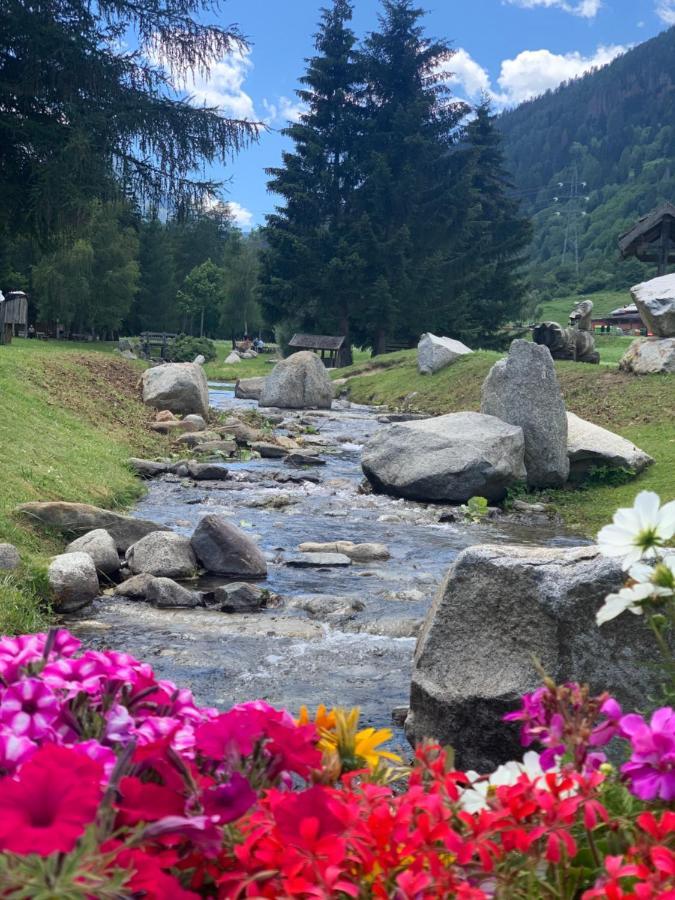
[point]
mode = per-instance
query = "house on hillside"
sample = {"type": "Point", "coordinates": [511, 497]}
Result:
{"type": "Point", "coordinates": [626, 318]}
{"type": "Point", "coordinates": [652, 238]}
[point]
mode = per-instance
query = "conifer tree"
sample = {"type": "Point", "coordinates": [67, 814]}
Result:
{"type": "Point", "coordinates": [493, 291]}
{"type": "Point", "coordinates": [310, 270]}
{"type": "Point", "coordinates": [407, 198]}
{"type": "Point", "coordinates": [155, 307]}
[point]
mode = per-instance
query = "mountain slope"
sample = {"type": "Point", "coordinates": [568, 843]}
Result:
{"type": "Point", "coordinates": [591, 157]}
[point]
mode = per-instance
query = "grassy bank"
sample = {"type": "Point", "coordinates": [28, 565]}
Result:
{"type": "Point", "coordinates": [641, 409]}
{"type": "Point", "coordinates": [70, 420]}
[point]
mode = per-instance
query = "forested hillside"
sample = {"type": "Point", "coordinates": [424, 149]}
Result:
{"type": "Point", "coordinates": [588, 159]}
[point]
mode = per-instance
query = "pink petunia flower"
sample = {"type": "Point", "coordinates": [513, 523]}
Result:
{"type": "Point", "coordinates": [14, 750]}
{"type": "Point", "coordinates": [651, 768]}
{"type": "Point", "coordinates": [30, 708]}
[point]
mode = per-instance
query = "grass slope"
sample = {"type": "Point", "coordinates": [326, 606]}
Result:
{"type": "Point", "coordinates": [559, 309]}
{"type": "Point", "coordinates": [640, 409]}
{"type": "Point", "coordinates": [70, 420]}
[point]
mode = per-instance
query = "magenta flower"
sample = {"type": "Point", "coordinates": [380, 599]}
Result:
{"type": "Point", "coordinates": [609, 727]}
{"type": "Point", "coordinates": [14, 750]}
{"type": "Point", "coordinates": [228, 802]}
{"type": "Point", "coordinates": [651, 768]}
{"type": "Point", "coordinates": [29, 708]}
{"type": "Point", "coordinates": [100, 754]}
{"type": "Point", "coordinates": [154, 728]}
{"type": "Point", "coordinates": [119, 726]}
{"type": "Point", "coordinates": [540, 724]}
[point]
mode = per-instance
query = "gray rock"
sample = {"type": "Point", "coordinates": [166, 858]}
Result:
{"type": "Point", "coordinates": [589, 445]}
{"type": "Point", "coordinates": [148, 468]}
{"type": "Point", "coordinates": [224, 549]}
{"type": "Point", "coordinates": [655, 300]}
{"type": "Point", "coordinates": [164, 554]}
{"type": "Point", "coordinates": [136, 587]}
{"type": "Point", "coordinates": [9, 557]}
{"type": "Point", "coordinates": [523, 390]}
{"type": "Point", "coordinates": [327, 608]}
{"type": "Point", "coordinates": [100, 545]}
{"type": "Point", "coordinates": [449, 458]}
{"type": "Point", "coordinates": [298, 382]}
{"type": "Point", "coordinates": [356, 552]}
{"type": "Point", "coordinates": [435, 353]}
{"type": "Point", "coordinates": [79, 518]}
{"type": "Point", "coordinates": [198, 421]}
{"type": "Point", "coordinates": [179, 387]}
{"type": "Point", "coordinates": [193, 438]}
{"type": "Point", "coordinates": [249, 388]}
{"type": "Point", "coordinates": [206, 471]}
{"type": "Point", "coordinates": [649, 356]}
{"type": "Point", "coordinates": [232, 359]}
{"type": "Point", "coordinates": [499, 606]}
{"type": "Point", "coordinates": [303, 458]}
{"type": "Point", "coordinates": [167, 594]}
{"type": "Point", "coordinates": [307, 560]}
{"type": "Point", "coordinates": [268, 450]}
{"type": "Point", "coordinates": [240, 431]}
{"type": "Point", "coordinates": [209, 448]}
{"type": "Point", "coordinates": [199, 360]}
{"type": "Point", "coordinates": [73, 580]}
{"type": "Point", "coordinates": [239, 597]}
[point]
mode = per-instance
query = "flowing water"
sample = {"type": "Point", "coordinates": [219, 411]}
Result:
{"type": "Point", "coordinates": [336, 635]}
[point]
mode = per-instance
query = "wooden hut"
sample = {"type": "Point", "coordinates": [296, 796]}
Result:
{"type": "Point", "coordinates": [330, 348]}
{"type": "Point", "coordinates": [626, 318]}
{"type": "Point", "coordinates": [13, 312]}
{"type": "Point", "coordinates": [652, 238]}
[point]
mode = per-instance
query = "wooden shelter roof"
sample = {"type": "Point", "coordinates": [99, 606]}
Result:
{"type": "Point", "coordinates": [647, 229]}
{"type": "Point", "coordinates": [316, 341]}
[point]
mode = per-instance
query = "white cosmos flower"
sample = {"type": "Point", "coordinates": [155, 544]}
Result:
{"type": "Point", "coordinates": [628, 598]}
{"type": "Point", "coordinates": [650, 582]}
{"type": "Point", "coordinates": [475, 798]}
{"type": "Point", "coordinates": [640, 531]}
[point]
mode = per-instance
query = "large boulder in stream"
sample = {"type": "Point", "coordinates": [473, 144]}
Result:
{"type": "Point", "coordinates": [523, 390]}
{"type": "Point", "coordinates": [447, 458]}
{"type": "Point", "coordinates": [179, 387]}
{"type": "Point", "coordinates": [298, 382]}
{"type": "Point", "coordinates": [224, 549]}
{"type": "Point", "coordinates": [164, 554]}
{"type": "Point", "coordinates": [249, 388]}
{"type": "Point", "coordinates": [498, 607]}
{"type": "Point", "coordinates": [79, 518]}
{"type": "Point", "coordinates": [100, 545]}
{"type": "Point", "coordinates": [73, 581]}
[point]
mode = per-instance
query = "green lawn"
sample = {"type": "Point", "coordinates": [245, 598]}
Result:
{"type": "Point", "coordinates": [641, 409]}
{"type": "Point", "coordinates": [70, 420]}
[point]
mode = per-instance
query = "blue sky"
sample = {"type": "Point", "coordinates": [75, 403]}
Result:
{"type": "Point", "coordinates": [515, 49]}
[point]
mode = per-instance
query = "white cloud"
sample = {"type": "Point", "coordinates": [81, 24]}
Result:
{"type": "Point", "coordinates": [587, 9]}
{"type": "Point", "coordinates": [283, 111]}
{"type": "Point", "coordinates": [224, 86]}
{"type": "Point", "coordinates": [534, 71]}
{"type": "Point", "coordinates": [665, 10]}
{"type": "Point", "coordinates": [468, 75]}
{"type": "Point", "coordinates": [243, 217]}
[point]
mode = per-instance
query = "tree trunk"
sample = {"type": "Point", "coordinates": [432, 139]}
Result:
{"type": "Point", "coordinates": [380, 345]}
{"type": "Point", "coordinates": [201, 325]}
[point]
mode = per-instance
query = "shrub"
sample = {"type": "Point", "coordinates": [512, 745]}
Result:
{"type": "Point", "coordinates": [185, 348]}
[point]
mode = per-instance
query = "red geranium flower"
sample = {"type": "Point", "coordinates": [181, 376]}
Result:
{"type": "Point", "coordinates": [47, 808]}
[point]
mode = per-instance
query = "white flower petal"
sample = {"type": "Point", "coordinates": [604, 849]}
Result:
{"type": "Point", "coordinates": [646, 506]}
{"type": "Point", "coordinates": [641, 572]}
{"type": "Point", "coordinates": [666, 527]}
{"type": "Point", "coordinates": [613, 606]}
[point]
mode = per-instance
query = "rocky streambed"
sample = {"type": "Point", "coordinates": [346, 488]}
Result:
{"type": "Point", "coordinates": [336, 635]}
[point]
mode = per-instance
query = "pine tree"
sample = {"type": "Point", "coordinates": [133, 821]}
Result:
{"type": "Point", "coordinates": [81, 116]}
{"type": "Point", "coordinates": [407, 199]}
{"type": "Point", "coordinates": [310, 269]}
{"type": "Point", "coordinates": [201, 297]}
{"type": "Point", "coordinates": [493, 290]}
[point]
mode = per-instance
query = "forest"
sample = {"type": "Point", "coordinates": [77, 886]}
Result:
{"type": "Point", "coordinates": [391, 188]}
{"type": "Point", "coordinates": [603, 156]}
{"type": "Point", "coordinates": [399, 208]}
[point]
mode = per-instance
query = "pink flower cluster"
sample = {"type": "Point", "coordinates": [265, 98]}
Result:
{"type": "Point", "coordinates": [119, 784]}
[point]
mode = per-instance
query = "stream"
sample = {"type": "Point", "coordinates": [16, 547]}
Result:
{"type": "Point", "coordinates": [343, 636]}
